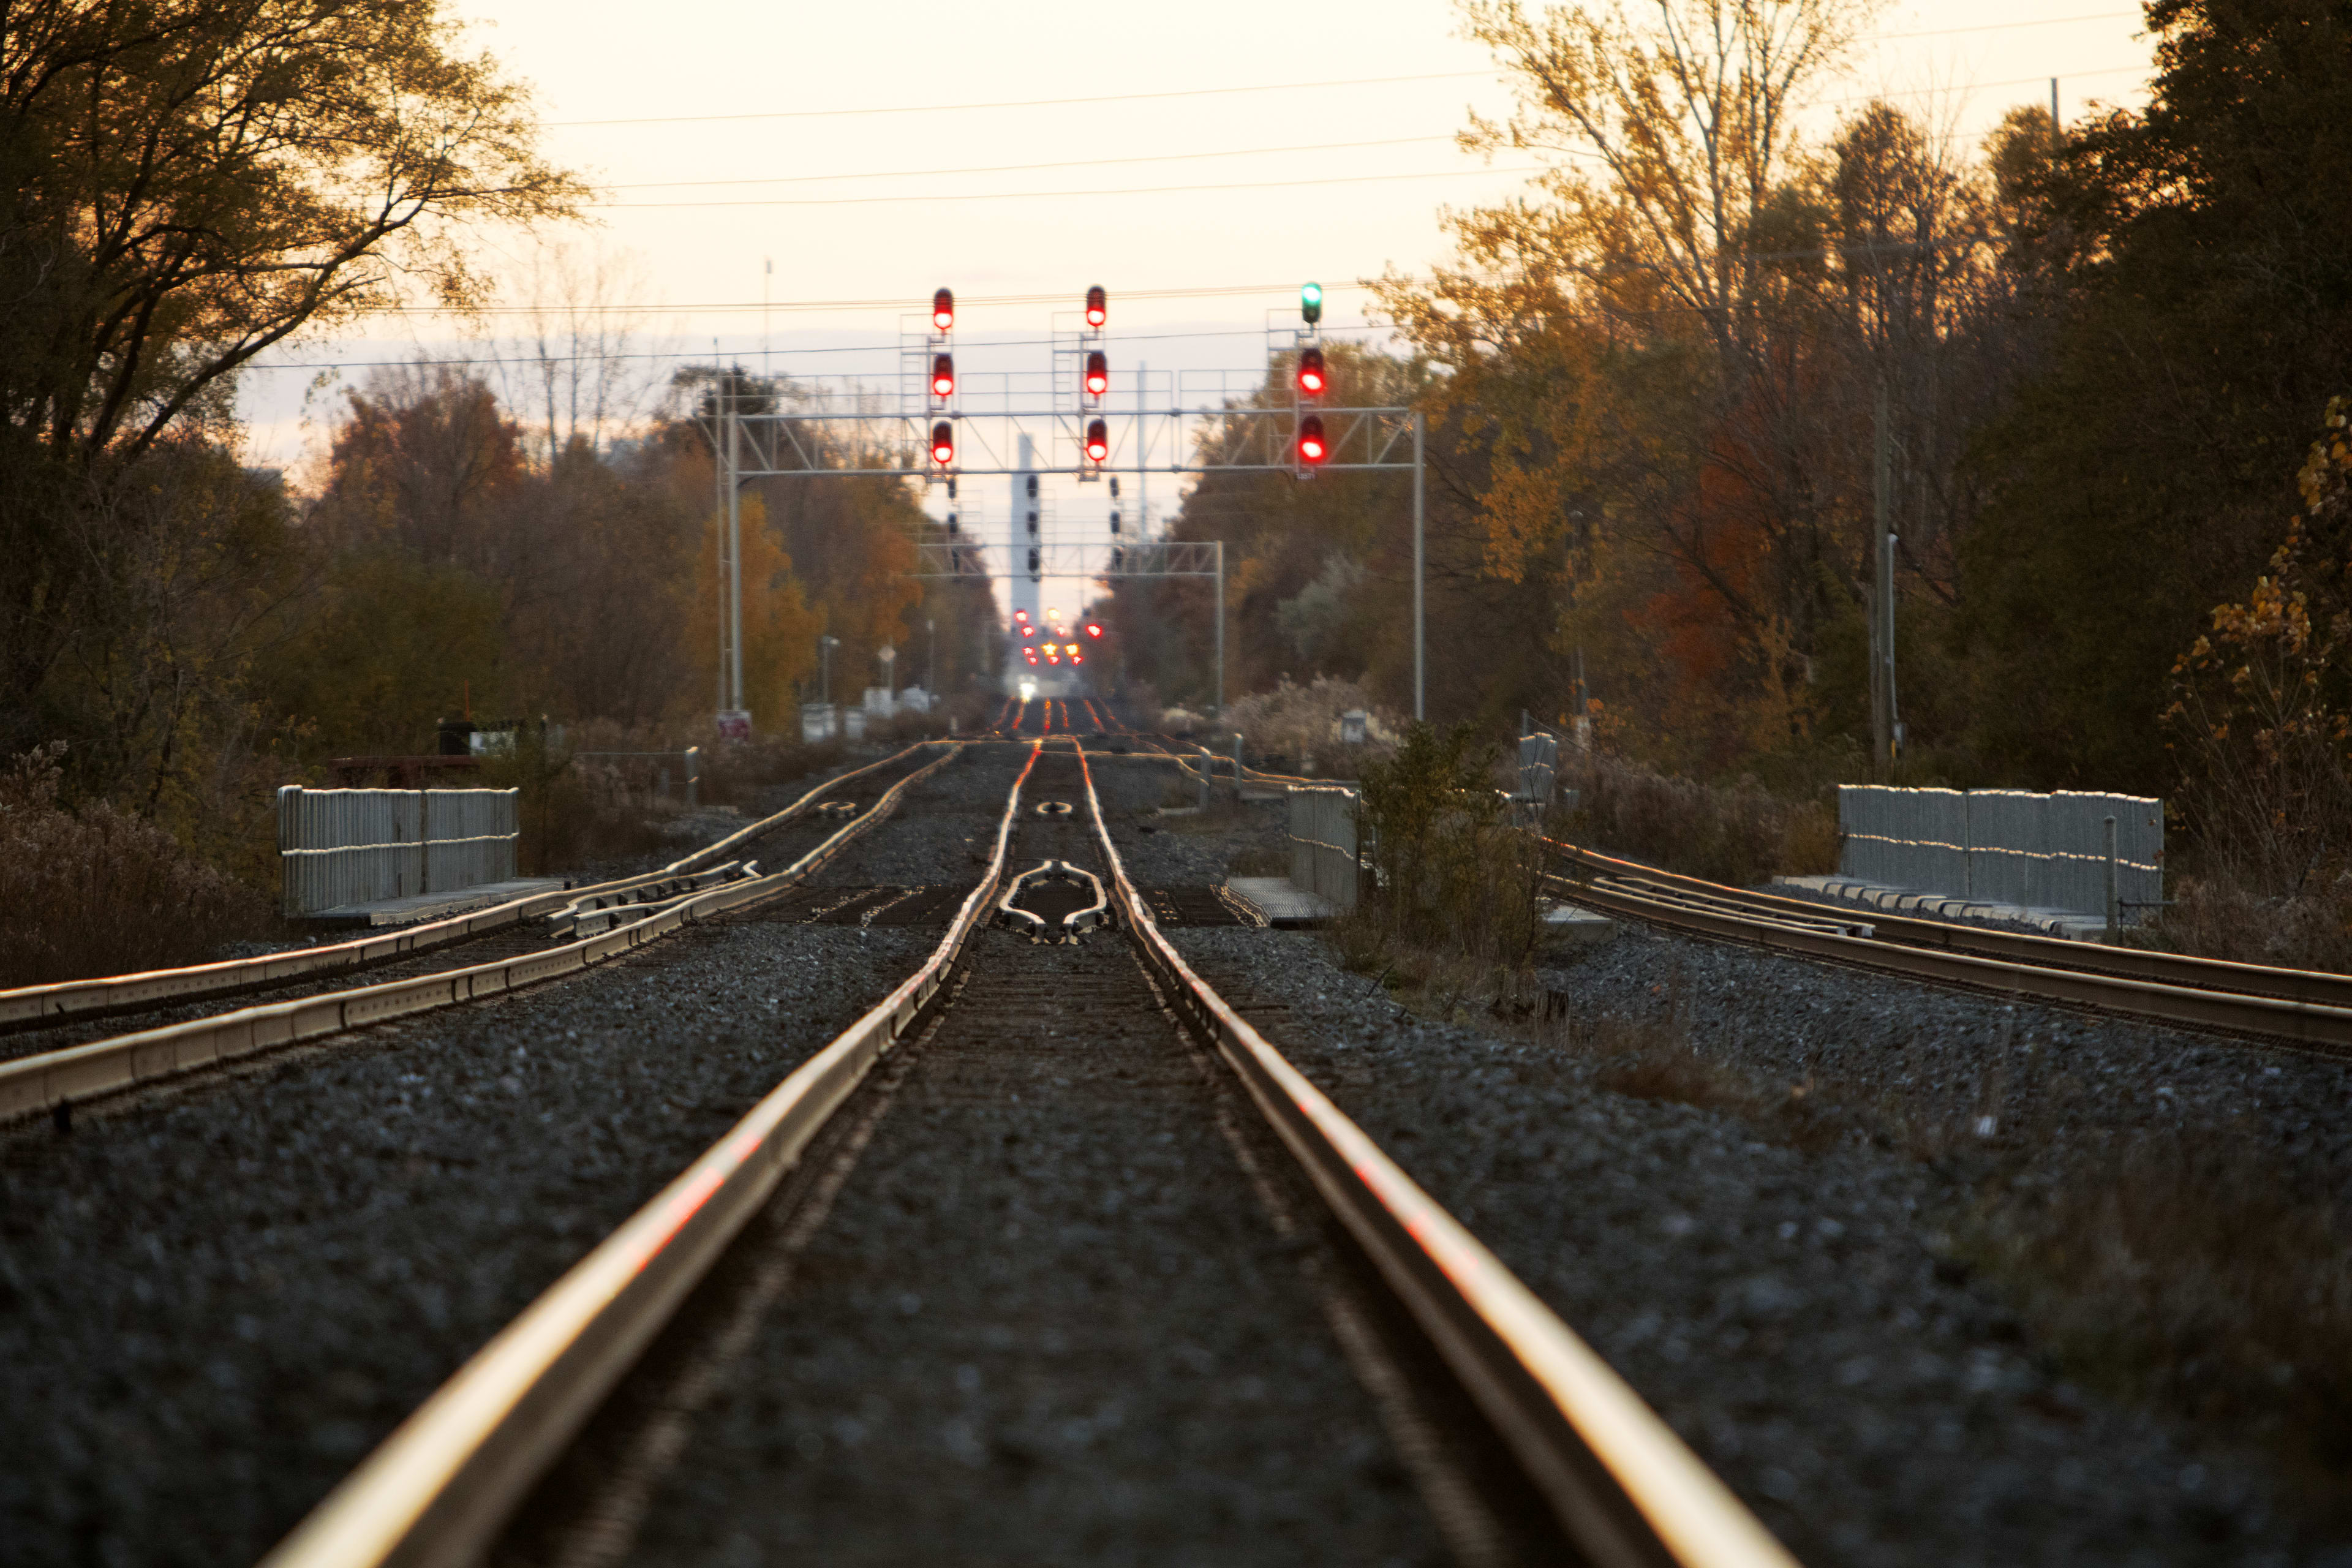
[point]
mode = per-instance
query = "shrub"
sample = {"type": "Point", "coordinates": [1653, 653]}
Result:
{"type": "Point", "coordinates": [96, 891]}
{"type": "Point", "coordinates": [1302, 722]}
{"type": "Point", "coordinates": [1740, 834]}
{"type": "Point", "coordinates": [1452, 870]}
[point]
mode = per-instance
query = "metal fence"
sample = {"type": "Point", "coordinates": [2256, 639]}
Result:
{"type": "Point", "coordinates": [340, 847]}
{"type": "Point", "coordinates": [2005, 846]}
{"type": "Point", "coordinates": [1322, 837]}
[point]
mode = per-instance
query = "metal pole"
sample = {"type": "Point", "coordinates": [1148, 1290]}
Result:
{"type": "Point", "coordinates": [931, 667]}
{"type": "Point", "coordinates": [1420, 572]}
{"type": "Point", "coordinates": [735, 554]}
{"type": "Point", "coordinates": [1221, 627]}
{"type": "Point", "coordinates": [1882, 617]}
{"type": "Point", "coordinates": [718, 549]}
{"type": "Point", "coordinates": [2115, 910]}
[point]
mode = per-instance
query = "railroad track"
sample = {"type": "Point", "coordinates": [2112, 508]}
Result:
{"type": "Point", "coordinates": [2304, 1009]}
{"type": "Point", "coordinates": [511, 946]}
{"type": "Point", "coordinates": [1612, 1483]}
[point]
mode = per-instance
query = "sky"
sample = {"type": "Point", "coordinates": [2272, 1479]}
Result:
{"type": "Point", "coordinates": [784, 184]}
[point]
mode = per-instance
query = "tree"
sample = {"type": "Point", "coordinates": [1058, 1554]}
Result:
{"type": "Point", "coordinates": [184, 184]}
{"type": "Point", "coordinates": [2196, 254]}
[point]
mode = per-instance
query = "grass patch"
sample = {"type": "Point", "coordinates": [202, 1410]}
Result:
{"type": "Point", "coordinates": [2188, 1271]}
{"type": "Point", "coordinates": [1740, 833]}
{"type": "Point", "coordinates": [95, 891]}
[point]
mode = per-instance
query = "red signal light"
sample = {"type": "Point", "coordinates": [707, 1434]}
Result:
{"type": "Point", "coordinates": [1312, 378]}
{"type": "Point", "coordinates": [943, 310]}
{"type": "Point", "coordinates": [1077, 658]}
{"type": "Point", "coordinates": [943, 443]}
{"type": "Point", "coordinates": [1098, 373]}
{"type": "Point", "coordinates": [1098, 441]}
{"type": "Point", "coordinates": [1028, 631]}
{"type": "Point", "coordinates": [1095, 302]}
{"type": "Point", "coordinates": [1093, 629]}
{"type": "Point", "coordinates": [1311, 447]}
{"type": "Point", "coordinates": [943, 375]}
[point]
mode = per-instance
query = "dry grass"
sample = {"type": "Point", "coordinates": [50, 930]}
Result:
{"type": "Point", "coordinates": [94, 891]}
{"type": "Point", "coordinates": [2190, 1272]}
{"type": "Point", "coordinates": [2220, 917]}
{"type": "Point", "coordinates": [1739, 834]}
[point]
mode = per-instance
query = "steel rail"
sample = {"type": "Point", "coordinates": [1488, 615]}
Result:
{"type": "Point", "coordinates": [40, 1006]}
{"type": "Point", "coordinates": [438, 1488]}
{"type": "Point", "coordinates": [2323, 993]}
{"type": "Point", "coordinates": [34, 1084]}
{"type": "Point", "coordinates": [1622, 1485]}
{"type": "Point", "coordinates": [2309, 1025]}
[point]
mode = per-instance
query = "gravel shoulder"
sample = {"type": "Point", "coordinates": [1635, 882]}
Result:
{"type": "Point", "coordinates": [1789, 1312]}
{"type": "Point", "coordinates": [213, 1301]}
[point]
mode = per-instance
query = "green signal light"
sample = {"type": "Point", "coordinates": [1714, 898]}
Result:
{"type": "Point", "coordinates": [1310, 302]}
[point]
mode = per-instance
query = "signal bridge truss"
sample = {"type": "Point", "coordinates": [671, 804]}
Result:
{"type": "Point", "coordinates": [1079, 418]}
{"type": "Point", "coordinates": [816, 440]}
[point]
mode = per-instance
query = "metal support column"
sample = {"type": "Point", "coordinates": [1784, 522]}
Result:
{"type": "Point", "coordinates": [1221, 627]}
{"type": "Point", "coordinates": [1882, 612]}
{"type": "Point", "coordinates": [735, 557]}
{"type": "Point", "coordinates": [1420, 574]}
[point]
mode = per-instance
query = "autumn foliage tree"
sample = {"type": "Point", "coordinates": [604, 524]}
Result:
{"type": "Point", "coordinates": [2263, 711]}
{"type": "Point", "coordinates": [184, 184]}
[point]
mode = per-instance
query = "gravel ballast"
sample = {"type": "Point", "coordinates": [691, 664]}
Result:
{"type": "Point", "coordinates": [1788, 1313]}
{"type": "Point", "coordinates": [215, 1301]}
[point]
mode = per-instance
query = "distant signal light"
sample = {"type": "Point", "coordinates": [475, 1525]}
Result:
{"type": "Point", "coordinates": [943, 376]}
{"type": "Point", "coordinates": [943, 310]}
{"type": "Point", "coordinates": [943, 443]}
{"type": "Point", "coordinates": [1311, 446]}
{"type": "Point", "coordinates": [1098, 373]}
{"type": "Point", "coordinates": [1313, 380]}
{"type": "Point", "coordinates": [1098, 441]}
{"type": "Point", "coordinates": [1098, 304]}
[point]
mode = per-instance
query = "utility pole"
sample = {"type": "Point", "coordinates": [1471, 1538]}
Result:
{"type": "Point", "coordinates": [1420, 576]}
{"type": "Point", "coordinates": [932, 667]}
{"type": "Point", "coordinates": [734, 553]}
{"type": "Point", "coordinates": [1221, 627]}
{"type": "Point", "coordinates": [1882, 610]}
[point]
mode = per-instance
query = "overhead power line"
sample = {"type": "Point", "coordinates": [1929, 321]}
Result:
{"type": "Point", "coordinates": [1058, 195]}
{"type": "Point", "coordinates": [1490, 74]}
{"type": "Point", "coordinates": [963, 302]}
{"type": "Point", "coordinates": [707, 355]}
{"type": "Point", "coordinates": [1031, 168]}
{"type": "Point", "coordinates": [1026, 103]}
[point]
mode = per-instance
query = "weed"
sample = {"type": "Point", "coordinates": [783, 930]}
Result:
{"type": "Point", "coordinates": [2189, 1270]}
{"type": "Point", "coordinates": [1740, 834]}
{"type": "Point", "coordinates": [96, 891]}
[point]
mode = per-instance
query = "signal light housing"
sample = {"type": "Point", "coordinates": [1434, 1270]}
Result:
{"type": "Point", "coordinates": [1114, 519]}
{"type": "Point", "coordinates": [1098, 373]}
{"type": "Point", "coordinates": [943, 375]}
{"type": "Point", "coordinates": [942, 443]}
{"type": "Point", "coordinates": [1033, 564]}
{"type": "Point", "coordinates": [1098, 441]}
{"type": "Point", "coordinates": [1310, 302]}
{"type": "Point", "coordinates": [1313, 379]}
{"type": "Point", "coordinates": [1097, 303]}
{"type": "Point", "coordinates": [1312, 448]}
{"type": "Point", "coordinates": [943, 310]}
